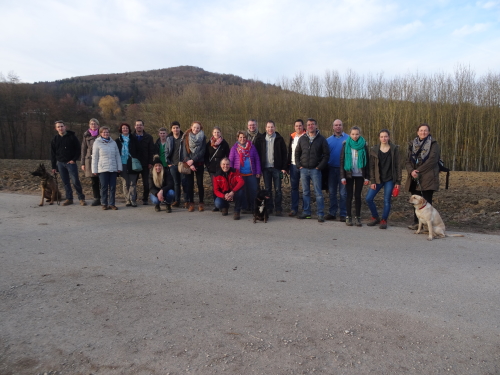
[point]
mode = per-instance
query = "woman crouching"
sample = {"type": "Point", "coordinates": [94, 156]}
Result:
{"type": "Point", "coordinates": [228, 187]}
{"type": "Point", "coordinates": [161, 185]}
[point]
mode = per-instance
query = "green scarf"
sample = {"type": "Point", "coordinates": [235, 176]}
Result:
{"type": "Point", "coordinates": [359, 146]}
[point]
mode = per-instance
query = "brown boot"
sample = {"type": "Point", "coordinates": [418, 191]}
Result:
{"type": "Point", "coordinates": [175, 204]}
{"type": "Point", "coordinates": [236, 216]}
{"type": "Point", "coordinates": [191, 207]}
{"type": "Point", "coordinates": [201, 207]}
{"type": "Point", "coordinates": [67, 202]}
{"type": "Point", "coordinates": [224, 211]}
{"type": "Point", "coordinates": [186, 204]}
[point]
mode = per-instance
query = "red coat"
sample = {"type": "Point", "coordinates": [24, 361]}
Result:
{"type": "Point", "coordinates": [226, 182]}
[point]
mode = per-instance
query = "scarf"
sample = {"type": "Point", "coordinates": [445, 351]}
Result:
{"type": "Point", "coordinates": [94, 133]}
{"type": "Point", "coordinates": [420, 150]}
{"type": "Point", "coordinates": [215, 142]}
{"type": "Point", "coordinates": [251, 135]}
{"type": "Point", "coordinates": [125, 140]}
{"type": "Point", "coordinates": [359, 146]}
{"type": "Point", "coordinates": [243, 151]}
{"type": "Point", "coordinates": [105, 140]}
{"type": "Point", "coordinates": [270, 150]}
{"type": "Point", "coordinates": [194, 141]}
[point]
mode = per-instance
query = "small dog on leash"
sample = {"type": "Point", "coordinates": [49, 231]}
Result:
{"type": "Point", "coordinates": [50, 191]}
{"type": "Point", "coordinates": [260, 206]}
{"type": "Point", "coordinates": [429, 216]}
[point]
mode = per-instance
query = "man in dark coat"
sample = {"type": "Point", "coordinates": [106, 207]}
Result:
{"type": "Point", "coordinates": [146, 153]}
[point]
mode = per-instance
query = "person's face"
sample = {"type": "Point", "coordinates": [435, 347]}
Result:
{"type": "Point", "coordinates": [242, 139]}
{"type": "Point", "coordinates": [105, 133]}
{"type": "Point", "coordinates": [139, 127]}
{"type": "Point", "coordinates": [216, 133]}
{"type": "Point", "coordinates": [93, 125]}
{"type": "Point", "coordinates": [354, 134]}
{"type": "Point", "coordinates": [252, 126]}
{"type": "Point", "coordinates": [158, 168]}
{"type": "Point", "coordinates": [423, 132]}
{"type": "Point", "coordinates": [61, 128]}
{"type": "Point", "coordinates": [224, 164]}
{"type": "Point", "coordinates": [270, 128]}
{"type": "Point", "coordinates": [384, 138]}
{"type": "Point", "coordinates": [299, 127]}
{"type": "Point", "coordinates": [337, 127]}
{"type": "Point", "coordinates": [163, 135]}
{"type": "Point", "coordinates": [176, 130]}
{"type": "Point", "coordinates": [195, 128]}
{"type": "Point", "coordinates": [125, 130]}
{"type": "Point", "coordinates": [311, 127]}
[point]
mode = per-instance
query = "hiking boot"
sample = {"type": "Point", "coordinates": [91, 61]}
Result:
{"type": "Point", "coordinates": [215, 209]}
{"type": "Point", "coordinates": [82, 202]}
{"type": "Point", "coordinates": [348, 221]}
{"type": "Point", "coordinates": [292, 213]}
{"type": "Point", "coordinates": [413, 226]}
{"type": "Point", "coordinates": [383, 224]}
{"type": "Point", "coordinates": [67, 202]}
{"type": "Point", "coordinates": [374, 221]}
{"type": "Point", "coordinates": [201, 207]}
{"type": "Point", "coordinates": [186, 204]}
{"type": "Point", "coordinates": [321, 219]}
{"type": "Point", "coordinates": [330, 217]}
{"type": "Point", "coordinates": [236, 216]}
{"type": "Point", "coordinates": [175, 204]}
{"type": "Point", "coordinates": [304, 216]}
{"type": "Point", "coordinates": [113, 207]}
{"type": "Point", "coordinates": [145, 202]}
{"type": "Point", "coordinates": [104, 207]}
{"type": "Point", "coordinates": [278, 213]}
{"type": "Point", "coordinates": [357, 221]}
{"type": "Point", "coordinates": [133, 204]}
{"type": "Point", "coordinates": [169, 208]}
{"type": "Point", "coordinates": [342, 219]}
{"type": "Point", "coordinates": [96, 202]}
{"type": "Point", "coordinates": [191, 207]}
{"type": "Point", "coordinates": [224, 211]}
{"type": "Point", "coordinates": [157, 208]}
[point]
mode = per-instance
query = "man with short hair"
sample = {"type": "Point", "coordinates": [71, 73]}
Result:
{"type": "Point", "coordinates": [252, 130]}
{"type": "Point", "coordinates": [64, 152]}
{"type": "Point", "coordinates": [174, 140]}
{"type": "Point", "coordinates": [311, 156]}
{"type": "Point", "coordinates": [334, 184]}
{"type": "Point", "coordinates": [292, 166]}
{"type": "Point", "coordinates": [160, 146]}
{"type": "Point", "coordinates": [146, 153]}
{"type": "Point", "coordinates": [228, 187]}
{"type": "Point", "coordinates": [273, 160]}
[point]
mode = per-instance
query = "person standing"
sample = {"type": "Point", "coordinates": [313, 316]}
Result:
{"type": "Point", "coordinates": [88, 141]}
{"type": "Point", "coordinates": [174, 141]}
{"type": "Point", "coordinates": [216, 150]}
{"type": "Point", "coordinates": [335, 142]}
{"type": "Point", "coordinates": [161, 146]}
{"type": "Point", "coordinates": [273, 162]}
{"type": "Point", "coordinates": [311, 156]}
{"type": "Point", "coordinates": [128, 147]}
{"type": "Point", "coordinates": [146, 152]}
{"type": "Point", "coordinates": [292, 166]}
{"type": "Point", "coordinates": [252, 130]}
{"type": "Point", "coordinates": [65, 150]}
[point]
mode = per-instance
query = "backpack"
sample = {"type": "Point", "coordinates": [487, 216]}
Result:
{"type": "Point", "coordinates": [442, 168]}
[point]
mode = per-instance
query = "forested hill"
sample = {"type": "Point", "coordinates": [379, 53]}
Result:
{"type": "Point", "coordinates": [132, 87]}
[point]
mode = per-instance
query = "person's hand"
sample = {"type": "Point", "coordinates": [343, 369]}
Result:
{"type": "Point", "coordinates": [257, 175]}
{"type": "Point", "coordinates": [343, 181]}
{"type": "Point", "coordinates": [160, 195]}
{"type": "Point", "coordinates": [54, 171]}
{"type": "Point", "coordinates": [414, 174]}
{"type": "Point", "coordinates": [83, 167]}
{"type": "Point", "coordinates": [373, 186]}
{"type": "Point", "coordinates": [366, 182]}
{"type": "Point", "coordinates": [150, 166]}
{"type": "Point", "coordinates": [193, 168]}
{"type": "Point", "coordinates": [71, 162]}
{"type": "Point", "coordinates": [229, 196]}
{"type": "Point", "coordinates": [397, 186]}
{"type": "Point", "coordinates": [283, 171]}
{"type": "Point", "coordinates": [94, 174]}
{"type": "Point", "coordinates": [190, 162]}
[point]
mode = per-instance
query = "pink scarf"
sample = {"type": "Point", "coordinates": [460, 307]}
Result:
{"type": "Point", "coordinates": [94, 133]}
{"type": "Point", "coordinates": [244, 152]}
{"type": "Point", "coordinates": [215, 142]}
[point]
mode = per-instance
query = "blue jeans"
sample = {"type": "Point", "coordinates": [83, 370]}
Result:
{"type": "Point", "coordinates": [294, 186]}
{"type": "Point", "coordinates": [169, 198]}
{"type": "Point", "coordinates": [250, 194]}
{"type": "Point", "coordinates": [272, 177]}
{"type": "Point", "coordinates": [314, 175]}
{"type": "Point", "coordinates": [108, 183]}
{"type": "Point", "coordinates": [67, 172]}
{"type": "Point", "coordinates": [335, 185]}
{"type": "Point", "coordinates": [388, 186]}
{"type": "Point", "coordinates": [174, 172]}
{"type": "Point", "coordinates": [222, 203]}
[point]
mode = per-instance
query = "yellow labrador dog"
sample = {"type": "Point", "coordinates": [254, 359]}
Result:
{"type": "Point", "coordinates": [429, 216]}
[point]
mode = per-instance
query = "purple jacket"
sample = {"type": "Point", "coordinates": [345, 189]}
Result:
{"type": "Point", "coordinates": [234, 158]}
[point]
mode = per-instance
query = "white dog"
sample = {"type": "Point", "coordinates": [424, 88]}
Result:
{"type": "Point", "coordinates": [429, 216]}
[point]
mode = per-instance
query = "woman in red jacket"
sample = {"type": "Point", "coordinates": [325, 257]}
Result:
{"type": "Point", "coordinates": [228, 185]}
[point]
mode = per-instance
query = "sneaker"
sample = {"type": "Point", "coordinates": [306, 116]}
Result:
{"type": "Point", "coordinates": [278, 213]}
{"type": "Point", "coordinates": [374, 221]}
{"type": "Point", "coordinates": [413, 226]}
{"type": "Point", "coordinates": [304, 216]}
{"type": "Point", "coordinates": [96, 202]}
{"type": "Point", "coordinates": [348, 221]}
{"type": "Point", "coordinates": [383, 224]}
{"type": "Point", "coordinates": [169, 208]}
{"type": "Point", "coordinates": [67, 202]}
{"type": "Point", "coordinates": [292, 213]}
{"type": "Point", "coordinates": [342, 219]}
{"type": "Point", "coordinates": [82, 202]}
{"type": "Point", "coordinates": [329, 217]}
{"type": "Point", "coordinates": [157, 208]}
{"type": "Point", "coordinates": [357, 221]}
{"type": "Point", "coordinates": [113, 207]}
{"type": "Point", "coordinates": [236, 216]}
{"type": "Point", "coordinates": [321, 219]}
{"type": "Point", "coordinates": [215, 209]}
{"type": "Point", "coordinates": [224, 211]}
{"type": "Point", "coordinates": [104, 207]}
{"type": "Point", "coordinates": [134, 204]}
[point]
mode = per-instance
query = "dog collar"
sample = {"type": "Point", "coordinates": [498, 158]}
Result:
{"type": "Point", "coordinates": [423, 206]}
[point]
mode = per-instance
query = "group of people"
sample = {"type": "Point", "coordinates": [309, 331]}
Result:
{"type": "Point", "coordinates": [341, 163]}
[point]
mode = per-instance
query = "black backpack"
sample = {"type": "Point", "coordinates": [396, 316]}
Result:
{"type": "Point", "coordinates": [442, 168]}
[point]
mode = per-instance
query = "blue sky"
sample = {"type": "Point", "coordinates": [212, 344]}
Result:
{"type": "Point", "coordinates": [49, 40]}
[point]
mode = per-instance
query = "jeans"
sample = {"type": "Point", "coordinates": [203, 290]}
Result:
{"type": "Point", "coordinates": [334, 184]}
{"type": "Point", "coordinates": [129, 182]}
{"type": "Point", "coordinates": [169, 198]}
{"type": "Point", "coordinates": [108, 183]}
{"type": "Point", "coordinates": [67, 172]}
{"type": "Point", "coordinates": [387, 199]}
{"type": "Point", "coordinates": [272, 177]}
{"type": "Point", "coordinates": [250, 192]}
{"type": "Point", "coordinates": [294, 187]}
{"type": "Point", "coordinates": [221, 203]}
{"type": "Point", "coordinates": [306, 176]}
{"type": "Point", "coordinates": [174, 172]}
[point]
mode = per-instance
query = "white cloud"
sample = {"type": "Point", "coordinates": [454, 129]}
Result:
{"type": "Point", "coordinates": [488, 4]}
{"type": "Point", "coordinates": [467, 29]}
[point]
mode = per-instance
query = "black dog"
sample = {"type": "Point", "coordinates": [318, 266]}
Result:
{"type": "Point", "coordinates": [50, 191]}
{"type": "Point", "coordinates": [260, 209]}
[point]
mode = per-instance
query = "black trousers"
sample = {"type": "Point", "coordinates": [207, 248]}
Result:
{"type": "Point", "coordinates": [427, 194]}
{"type": "Point", "coordinates": [145, 182]}
{"type": "Point", "coordinates": [96, 187]}
{"type": "Point", "coordinates": [354, 186]}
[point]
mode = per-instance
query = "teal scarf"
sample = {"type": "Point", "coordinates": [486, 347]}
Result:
{"type": "Point", "coordinates": [359, 146]}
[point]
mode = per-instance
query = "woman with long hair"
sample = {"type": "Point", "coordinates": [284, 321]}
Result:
{"type": "Point", "coordinates": [217, 149]}
{"type": "Point", "coordinates": [161, 185]}
{"type": "Point", "coordinates": [385, 172]}
{"type": "Point", "coordinates": [129, 149]}
{"type": "Point", "coordinates": [89, 138]}
{"type": "Point", "coordinates": [354, 172]}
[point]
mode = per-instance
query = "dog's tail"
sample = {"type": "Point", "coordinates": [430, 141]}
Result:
{"type": "Point", "coordinates": [455, 235]}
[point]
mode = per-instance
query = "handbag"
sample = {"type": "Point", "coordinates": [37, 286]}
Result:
{"type": "Point", "coordinates": [136, 165]}
{"type": "Point", "coordinates": [184, 168]}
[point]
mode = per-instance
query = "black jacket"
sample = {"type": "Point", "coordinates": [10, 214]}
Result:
{"type": "Point", "coordinates": [146, 149]}
{"type": "Point", "coordinates": [213, 162]}
{"type": "Point", "coordinates": [312, 155]}
{"type": "Point", "coordinates": [133, 150]}
{"type": "Point", "coordinates": [167, 183]}
{"type": "Point", "coordinates": [280, 152]}
{"type": "Point", "coordinates": [65, 148]}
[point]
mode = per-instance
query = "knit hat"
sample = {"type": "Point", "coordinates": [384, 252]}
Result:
{"type": "Point", "coordinates": [156, 159]}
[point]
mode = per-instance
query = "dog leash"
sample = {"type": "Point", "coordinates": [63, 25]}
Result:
{"type": "Point", "coordinates": [286, 179]}
{"type": "Point", "coordinates": [58, 200]}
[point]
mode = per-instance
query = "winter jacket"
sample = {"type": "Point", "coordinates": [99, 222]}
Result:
{"type": "Point", "coordinates": [429, 170]}
{"type": "Point", "coordinates": [65, 148]}
{"type": "Point", "coordinates": [157, 147]}
{"type": "Point", "coordinates": [280, 152]}
{"type": "Point", "coordinates": [167, 183]}
{"type": "Point", "coordinates": [290, 151]}
{"type": "Point", "coordinates": [146, 148]}
{"type": "Point", "coordinates": [105, 156]}
{"type": "Point", "coordinates": [199, 157]}
{"type": "Point", "coordinates": [169, 149]}
{"type": "Point", "coordinates": [375, 168]}
{"type": "Point", "coordinates": [224, 182]}
{"type": "Point", "coordinates": [312, 155]}
{"type": "Point", "coordinates": [133, 150]}
{"type": "Point", "coordinates": [234, 159]}
{"type": "Point", "coordinates": [87, 143]}
{"type": "Point", "coordinates": [213, 162]}
{"type": "Point", "coordinates": [365, 171]}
